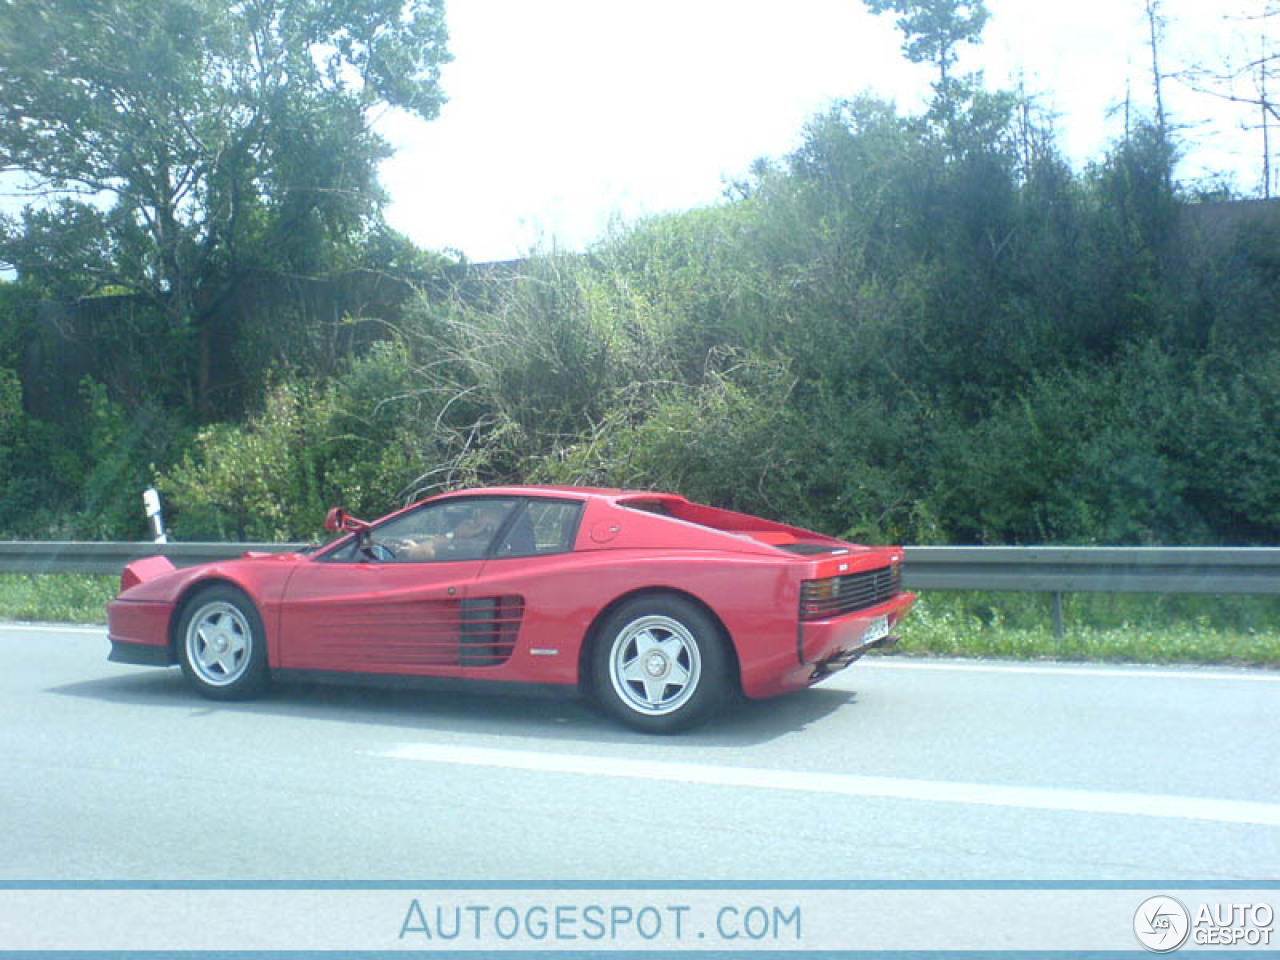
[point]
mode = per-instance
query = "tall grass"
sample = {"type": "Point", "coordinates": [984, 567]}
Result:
{"type": "Point", "coordinates": [56, 597]}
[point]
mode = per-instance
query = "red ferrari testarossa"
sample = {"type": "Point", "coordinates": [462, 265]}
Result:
{"type": "Point", "coordinates": [659, 608]}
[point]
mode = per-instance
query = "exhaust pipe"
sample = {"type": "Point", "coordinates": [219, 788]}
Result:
{"type": "Point", "coordinates": [837, 663]}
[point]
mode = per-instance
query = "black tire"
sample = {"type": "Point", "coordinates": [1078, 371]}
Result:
{"type": "Point", "coordinates": [659, 664]}
{"type": "Point", "coordinates": [221, 645]}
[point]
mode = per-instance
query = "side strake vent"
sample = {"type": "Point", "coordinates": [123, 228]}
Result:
{"type": "Point", "coordinates": [836, 596]}
{"type": "Point", "coordinates": [489, 629]}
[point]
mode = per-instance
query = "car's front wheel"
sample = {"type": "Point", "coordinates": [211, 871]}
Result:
{"type": "Point", "coordinates": [660, 664]}
{"type": "Point", "coordinates": [221, 645]}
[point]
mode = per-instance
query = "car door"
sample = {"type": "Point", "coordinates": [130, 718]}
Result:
{"type": "Point", "coordinates": [369, 609]}
{"type": "Point", "coordinates": [529, 606]}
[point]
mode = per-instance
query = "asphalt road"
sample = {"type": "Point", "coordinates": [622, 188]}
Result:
{"type": "Point", "coordinates": [893, 770]}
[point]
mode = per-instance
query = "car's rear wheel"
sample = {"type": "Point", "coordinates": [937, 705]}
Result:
{"type": "Point", "coordinates": [221, 645]}
{"type": "Point", "coordinates": [660, 665]}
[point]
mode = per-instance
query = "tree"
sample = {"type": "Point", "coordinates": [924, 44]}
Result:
{"type": "Point", "coordinates": [1245, 77]}
{"type": "Point", "coordinates": [186, 142]}
{"type": "Point", "coordinates": [934, 30]}
{"type": "Point", "coordinates": [1155, 32]}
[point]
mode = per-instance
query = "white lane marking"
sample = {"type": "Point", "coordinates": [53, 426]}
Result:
{"type": "Point", "coordinates": [933, 791]}
{"type": "Point", "coordinates": [1160, 672]}
{"type": "Point", "coordinates": [38, 628]}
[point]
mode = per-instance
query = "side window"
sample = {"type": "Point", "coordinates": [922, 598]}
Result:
{"type": "Point", "coordinates": [453, 530]}
{"type": "Point", "coordinates": [439, 532]}
{"type": "Point", "coordinates": [545, 526]}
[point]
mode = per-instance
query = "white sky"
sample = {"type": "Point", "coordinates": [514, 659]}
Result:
{"type": "Point", "coordinates": [567, 114]}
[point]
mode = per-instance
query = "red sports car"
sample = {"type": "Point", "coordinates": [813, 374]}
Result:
{"type": "Point", "coordinates": [659, 608]}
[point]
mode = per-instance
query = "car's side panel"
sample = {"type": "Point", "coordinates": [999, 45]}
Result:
{"type": "Point", "coordinates": [559, 603]}
{"type": "Point", "coordinates": [368, 617]}
{"type": "Point", "coordinates": [756, 599]}
{"type": "Point", "coordinates": [144, 613]}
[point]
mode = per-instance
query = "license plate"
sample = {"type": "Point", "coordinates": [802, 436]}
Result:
{"type": "Point", "coordinates": [878, 629]}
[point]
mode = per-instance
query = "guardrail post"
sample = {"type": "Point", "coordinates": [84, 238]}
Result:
{"type": "Point", "coordinates": [1058, 630]}
{"type": "Point", "coordinates": [151, 503]}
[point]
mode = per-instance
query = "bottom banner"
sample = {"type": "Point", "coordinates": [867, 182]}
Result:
{"type": "Point", "coordinates": [849, 920]}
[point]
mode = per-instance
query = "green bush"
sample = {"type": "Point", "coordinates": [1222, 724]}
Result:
{"type": "Point", "coordinates": [359, 440]}
{"type": "Point", "coordinates": [918, 329]}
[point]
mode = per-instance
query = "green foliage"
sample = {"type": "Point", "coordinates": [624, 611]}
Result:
{"type": "Point", "coordinates": [914, 328]}
{"type": "Point", "coordinates": [63, 251]}
{"type": "Point", "coordinates": [17, 484]}
{"type": "Point", "coordinates": [36, 470]}
{"type": "Point", "coordinates": [902, 334]}
{"type": "Point", "coordinates": [202, 115]}
{"type": "Point", "coordinates": [56, 597]}
{"type": "Point", "coordinates": [122, 449]}
{"type": "Point", "coordinates": [933, 30]}
{"type": "Point", "coordinates": [225, 139]}
{"type": "Point", "coordinates": [358, 441]}
{"type": "Point", "coordinates": [16, 310]}
{"type": "Point", "coordinates": [250, 482]}
{"type": "Point", "coordinates": [727, 440]}
{"type": "Point", "coordinates": [10, 405]}
{"type": "Point", "coordinates": [1154, 448]}
{"type": "Point", "coordinates": [549, 354]}
{"type": "Point", "coordinates": [83, 479]}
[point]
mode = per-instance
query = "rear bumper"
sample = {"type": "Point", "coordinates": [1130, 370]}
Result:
{"type": "Point", "coordinates": [823, 647]}
{"type": "Point", "coordinates": [821, 640]}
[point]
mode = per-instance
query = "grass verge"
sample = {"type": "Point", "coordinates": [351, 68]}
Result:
{"type": "Point", "coordinates": [56, 597]}
{"type": "Point", "coordinates": [1017, 626]}
{"type": "Point", "coordinates": [1164, 628]}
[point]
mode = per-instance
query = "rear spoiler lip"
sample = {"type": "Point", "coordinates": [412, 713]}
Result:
{"type": "Point", "coordinates": [147, 568]}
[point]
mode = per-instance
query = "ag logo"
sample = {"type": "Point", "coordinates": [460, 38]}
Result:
{"type": "Point", "coordinates": [1161, 924]}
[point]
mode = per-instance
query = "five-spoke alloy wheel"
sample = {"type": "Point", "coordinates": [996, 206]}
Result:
{"type": "Point", "coordinates": [659, 663]}
{"type": "Point", "coordinates": [221, 646]}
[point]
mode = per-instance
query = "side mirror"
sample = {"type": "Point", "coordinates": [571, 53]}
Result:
{"type": "Point", "coordinates": [338, 519]}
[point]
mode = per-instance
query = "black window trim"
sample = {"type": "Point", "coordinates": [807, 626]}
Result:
{"type": "Point", "coordinates": [523, 508]}
{"type": "Point", "coordinates": [331, 552]}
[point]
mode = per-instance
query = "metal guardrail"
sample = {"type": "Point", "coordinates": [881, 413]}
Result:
{"type": "Point", "coordinates": [1026, 569]}
{"type": "Point", "coordinates": [71, 556]}
{"type": "Point", "coordinates": [1055, 570]}
{"type": "Point", "coordinates": [1059, 570]}
{"type": "Point", "coordinates": [1095, 569]}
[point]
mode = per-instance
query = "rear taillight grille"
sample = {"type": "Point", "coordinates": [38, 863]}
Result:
{"type": "Point", "coordinates": [836, 596]}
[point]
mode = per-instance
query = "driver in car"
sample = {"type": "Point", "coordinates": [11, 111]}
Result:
{"type": "Point", "coordinates": [468, 539]}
